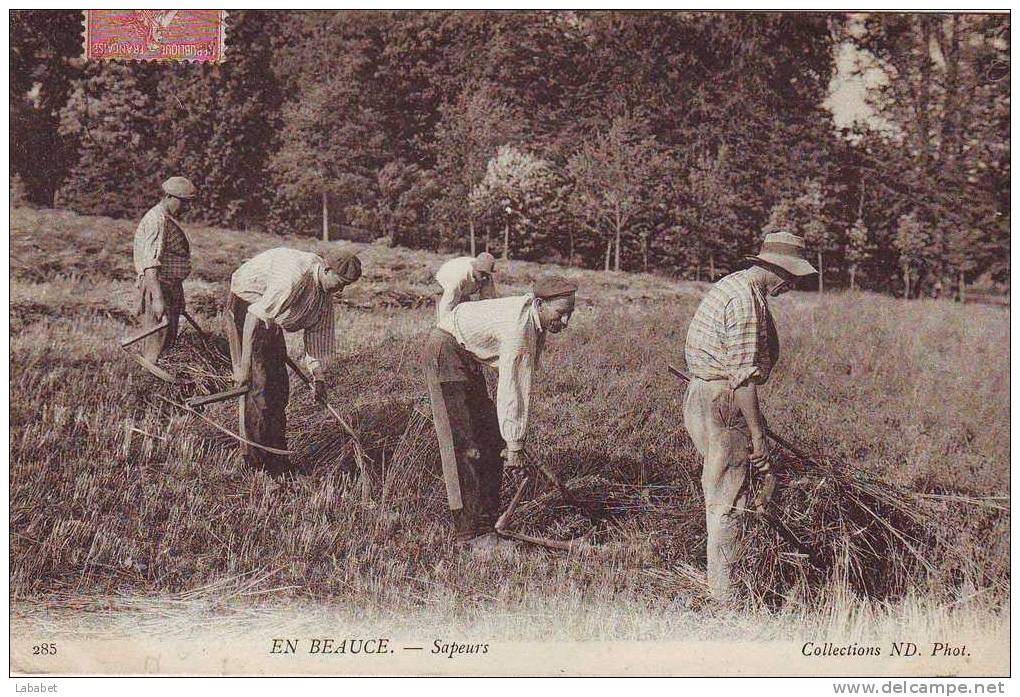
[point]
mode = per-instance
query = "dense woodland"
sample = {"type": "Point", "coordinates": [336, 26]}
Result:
{"type": "Point", "coordinates": [654, 141]}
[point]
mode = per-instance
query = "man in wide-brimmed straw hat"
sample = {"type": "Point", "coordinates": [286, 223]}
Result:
{"type": "Point", "coordinates": [462, 277]}
{"type": "Point", "coordinates": [507, 334]}
{"type": "Point", "coordinates": [281, 290]}
{"type": "Point", "coordinates": [162, 256]}
{"type": "Point", "coordinates": [731, 348]}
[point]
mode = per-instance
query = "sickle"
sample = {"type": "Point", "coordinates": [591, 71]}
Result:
{"type": "Point", "coordinates": [193, 412]}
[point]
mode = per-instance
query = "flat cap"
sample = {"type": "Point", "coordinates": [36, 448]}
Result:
{"type": "Point", "coordinates": [179, 187]}
{"type": "Point", "coordinates": [553, 287]}
{"type": "Point", "coordinates": [484, 262]}
{"type": "Point", "coordinates": [346, 265]}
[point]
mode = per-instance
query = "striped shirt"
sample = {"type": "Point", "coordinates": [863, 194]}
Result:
{"type": "Point", "coordinates": [160, 243]}
{"type": "Point", "coordinates": [732, 336]}
{"type": "Point", "coordinates": [504, 333]}
{"type": "Point", "coordinates": [284, 287]}
{"type": "Point", "coordinates": [457, 278]}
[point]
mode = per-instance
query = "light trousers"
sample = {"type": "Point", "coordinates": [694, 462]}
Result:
{"type": "Point", "coordinates": [719, 431]}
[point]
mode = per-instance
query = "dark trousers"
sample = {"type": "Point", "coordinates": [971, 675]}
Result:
{"type": "Point", "coordinates": [468, 432]}
{"type": "Point", "coordinates": [173, 305]}
{"type": "Point", "coordinates": [264, 408]}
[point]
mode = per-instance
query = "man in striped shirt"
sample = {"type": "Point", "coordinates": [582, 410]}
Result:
{"type": "Point", "coordinates": [462, 277]}
{"type": "Point", "coordinates": [731, 348]}
{"type": "Point", "coordinates": [507, 334]}
{"type": "Point", "coordinates": [281, 290]}
{"type": "Point", "coordinates": [162, 256]}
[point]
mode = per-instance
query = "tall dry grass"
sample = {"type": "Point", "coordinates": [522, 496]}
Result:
{"type": "Point", "coordinates": [114, 493]}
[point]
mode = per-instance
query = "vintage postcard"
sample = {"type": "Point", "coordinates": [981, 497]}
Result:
{"type": "Point", "coordinates": [540, 343]}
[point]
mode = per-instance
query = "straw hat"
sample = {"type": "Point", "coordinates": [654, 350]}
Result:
{"type": "Point", "coordinates": [787, 251]}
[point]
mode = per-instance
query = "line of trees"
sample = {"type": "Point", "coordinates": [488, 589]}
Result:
{"type": "Point", "coordinates": [665, 141]}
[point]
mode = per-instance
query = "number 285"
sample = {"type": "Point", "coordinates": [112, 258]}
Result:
{"type": "Point", "coordinates": [44, 650]}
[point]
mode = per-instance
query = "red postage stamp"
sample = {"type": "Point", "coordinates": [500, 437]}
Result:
{"type": "Point", "coordinates": [155, 35]}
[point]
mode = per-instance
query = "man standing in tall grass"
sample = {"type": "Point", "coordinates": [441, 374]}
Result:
{"type": "Point", "coordinates": [281, 290]}
{"type": "Point", "coordinates": [507, 334]}
{"type": "Point", "coordinates": [731, 348]}
{"type": "Point", "coordinates": [462, 277]}
{"type": "Point", "coordinates": [162, 256]}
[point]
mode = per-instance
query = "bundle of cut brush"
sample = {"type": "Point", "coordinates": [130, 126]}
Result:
{"type": "Point", "coordinates": [199, 363]}
{"type": "Point", "coordinates": [831, 522]}
{"type": "Point", "coordinates": [827, 524]}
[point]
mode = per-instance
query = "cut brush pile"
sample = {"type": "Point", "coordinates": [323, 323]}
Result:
{"type": "Point", "coordinates": [827, 524]}
{"type": "Point", "coordinates": [201, 366]}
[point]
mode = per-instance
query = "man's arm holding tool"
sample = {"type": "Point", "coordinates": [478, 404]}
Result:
{"type": "Point", "coordinates": [151, 283]}
{"type": "Point", "coordinates": [746, 398]}
{"type": "Point", "coordinates": [242, 371]}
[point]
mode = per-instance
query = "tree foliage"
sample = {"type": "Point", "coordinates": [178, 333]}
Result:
{"type": "Point", "coordinates": [614, 175]}
{"type": "Point", "coordinates": [516, 190]}
{"type": "Point", "coordinates": [623, 140]}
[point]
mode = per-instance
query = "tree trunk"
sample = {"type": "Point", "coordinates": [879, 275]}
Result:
{"type": "Point", "coordinates": [644, 253]}
{"type": "Point", "coordinates": [821, 273]}
{"type": "Point", "coordinates": [906, 282]}
{"type": "Point", "coordinates": [471, 228]}
{"type": "Point", "coordinates": [711, 268]}
{"type": "Point", "coordinates": [853, 277]}
{"type": "Point", "coordinates": [325, 218]}
{"type": "Point", "coordinates": [617, 265]}
{"type": "Point", "coordinates": [961, 295]}
{"type": "Point", "coordinates": [570, 258]}
{"type": "Point", "coordinates": [609, 252]}
{"type": "Point", "coordinates": [506, 239]}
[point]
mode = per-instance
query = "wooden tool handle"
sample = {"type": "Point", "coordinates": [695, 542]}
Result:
{"type": "Point", "coordinates": [152, 367]}
{"type": "Point", "coordinates": [509, 512]}
{"type": "Point", "coordinates": [203, 333]}
{"type": "Point", "coordinates": [144, 333]}
{"type": "Point", "coordinates": [300, 373]}
{"type": "Point", "coordinates": [218, 397]}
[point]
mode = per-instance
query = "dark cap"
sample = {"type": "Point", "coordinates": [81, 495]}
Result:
{"type": "Point", "coordinates": [484, 262]}
{"type": "Point", "coordinates": [553, 287]}
{"type": "Point", "coordinates": [346, 265]}
{"type": "Point", "coordinates": [179, 187]}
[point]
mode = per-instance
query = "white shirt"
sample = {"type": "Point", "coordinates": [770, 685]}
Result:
{"type": "Point", "coordinates": [457, 278]}
{"type": "Point", "coordinates": [504, 333]}
{"type": "Point", "coordinates": [284, 286]}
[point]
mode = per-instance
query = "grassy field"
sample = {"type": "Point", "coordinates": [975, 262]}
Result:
{"type": "Point", "coordinates": [105, 516]}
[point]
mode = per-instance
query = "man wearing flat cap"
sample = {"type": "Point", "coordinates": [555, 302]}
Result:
{"type": "Point", "coordinates": [162, 256]}
{"type": "Point", "coordinates": [507, 334]}
{"type": "Point", "coordinates": [731, 348]}
{"type": "Point", "coordinates": [462, 277]}
{"type": "Point", "coordinates": [281, 290]}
